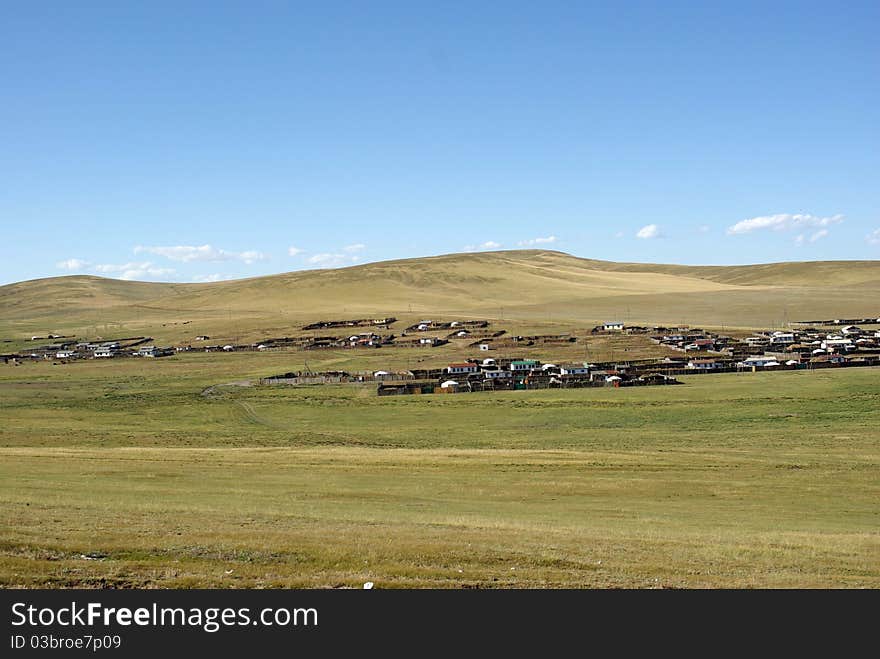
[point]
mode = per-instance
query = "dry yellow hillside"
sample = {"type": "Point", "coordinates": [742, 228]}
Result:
{"type": "Point", "coordinates": [525, 285]}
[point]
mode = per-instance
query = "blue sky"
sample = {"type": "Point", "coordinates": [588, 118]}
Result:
{"type": "Point", "coordinates": [179, 141]}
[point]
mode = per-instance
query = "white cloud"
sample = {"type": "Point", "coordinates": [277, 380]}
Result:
{"type": "Point", "coordinates": [359, 247]}
{"type": "Point", "coordinates": [619, 234]}
{"type": "Point", "coordinates": [489, 244]}
{"type": "Point", "coordinates": [332, 260]}
{"type": "Point", "coordinates": [873, 238]}
{"type": "Point", "coordinates": [252, 256]}
{"type": "Point", "coordinates": [294, 251]}
{"type": "Point", "coordinates": [782, 222]}
{"type": "Point", "coordinates": [205, 253]}
{"type": "Point", "coordinates": [802, 238]}
{"type": "Point", "coordinates": [549, 240]}
{"type": "Point", "coordinates": [648, 231]}
{"type": "Point", "coordinates": [141, 270]}
{"type": "Point", "coordinates": [72, 264]}
{"type": "Point", "coordinates": [704, 228]}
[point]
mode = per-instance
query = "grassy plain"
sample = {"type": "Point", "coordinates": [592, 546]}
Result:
{"type": "Point", "coordinates": [127, 473]}
{"type": "Point", "coordinates": [164, 473]}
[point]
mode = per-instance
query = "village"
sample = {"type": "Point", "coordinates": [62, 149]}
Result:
{"type": "Point", "coordinates": [688, 351]}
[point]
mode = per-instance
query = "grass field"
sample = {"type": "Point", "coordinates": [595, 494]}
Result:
{"type": "Point", "coordinates": [128, 473]}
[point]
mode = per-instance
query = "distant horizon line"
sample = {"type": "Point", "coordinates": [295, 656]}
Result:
{"type": "Point", "coordinates": [465, 254]}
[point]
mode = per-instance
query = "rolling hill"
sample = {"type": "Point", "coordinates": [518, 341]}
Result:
{"type": "Point", "coordinates": [529, 286]}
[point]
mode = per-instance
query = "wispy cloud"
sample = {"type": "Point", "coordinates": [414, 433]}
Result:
{"type": "Point", "coordinates": [72, 265]}
{"type": "Point", "coordinates": [549, 240]}
{"type": "Point", "coordinates": [204, 253]}
{"type": "Point", "coordinates": [141, 270]}
{"type": "Point", "coordinates": [488, 245]}
{"type": "Point", "coordinates": [294, 251]}
{"type": "Point", "coordinates": [704, 228]}
{"type": "Point", "coordinates": [873, 238]}
{"type": "Point", "coordinates": [803, 239]}
{"type": "Point", "coordinates": [782, 222]}
{"type": "Point", "coordinates": [251, 256]}
{"type": "Point", "coordinates": [359, 247]}
{"type": "Point", "coordinates": [648, 232]}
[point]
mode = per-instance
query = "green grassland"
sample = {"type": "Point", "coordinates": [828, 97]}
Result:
{"type": "Point", "coordinates": [145, 473]}
{"type": "Point", "coordinates": [176, 473]}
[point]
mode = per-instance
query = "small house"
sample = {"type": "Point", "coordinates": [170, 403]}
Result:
{"type": "Point", "coordinates": [462, 368]}
{"type": "Point", "coordinates": [703, 364]}
{"type": "Point", "coordinates": [782, 337]}
{"type": "Point", "coordinates": [602, 375]}
{"type": "Point", "coordinates": [760, 360]}
{"type": "Point", "coordinates": [613, 327]}
{"type": "Point", "coordinates": [521, 365]}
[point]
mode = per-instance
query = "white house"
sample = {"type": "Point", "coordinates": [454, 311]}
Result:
{"type": "Point", "coordinates": [758, 360]}
{"type": "Point", "coordinates": [65, 354]}
{"type": "Point", "coordinates": [153, 351]}
{"type": "Point", "coordinates": [523, 365]}
{"type": "Point", "coordinates": [783, 337]}
{"type": "Point", "coordinates": [703, 364]}
{"type": "Point", "coordinates": [574, 369]}
{"type": "Point", "coordinates": [496, 374]}
{"type": "Point", "coordinates": [462, 368]}
{"type": "Point", "coordinates": [613, 327]}
{"type": "Point", "coordinates": [105, 351]}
